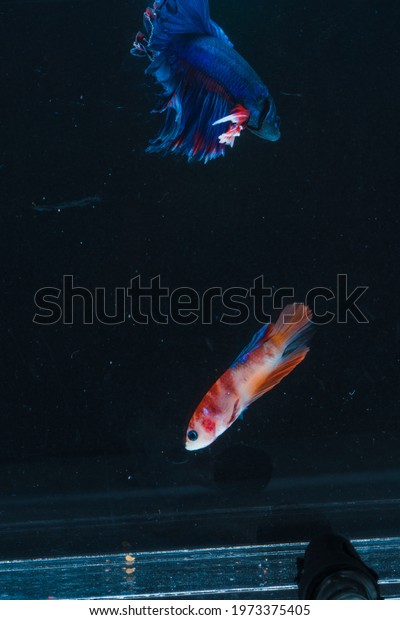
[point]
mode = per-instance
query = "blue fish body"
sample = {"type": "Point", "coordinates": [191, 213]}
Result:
{"type": "Point", "coordinates": [220, 62]}
{"type": "Point", "coordinates": [207, 84]}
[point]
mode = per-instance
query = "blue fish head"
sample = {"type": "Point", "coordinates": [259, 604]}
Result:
{"type": "Point", "coordinates": [268, 128]}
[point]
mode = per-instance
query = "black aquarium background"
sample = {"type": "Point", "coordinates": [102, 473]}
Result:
{"type": "Point", "coordinates": [93, 418]}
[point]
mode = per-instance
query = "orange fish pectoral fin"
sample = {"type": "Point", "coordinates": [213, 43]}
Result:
{"type": "Point", "coordinates": [257, 387]}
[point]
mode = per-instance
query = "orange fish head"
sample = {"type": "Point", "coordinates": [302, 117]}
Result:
{"type": "Point", "coordinates": [202, 430]}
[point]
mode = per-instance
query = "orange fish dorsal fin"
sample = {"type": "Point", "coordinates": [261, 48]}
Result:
{"type": "Point", "coordinates": [257, 387]}
{"type": "Point", "coordinates": [261, 336]}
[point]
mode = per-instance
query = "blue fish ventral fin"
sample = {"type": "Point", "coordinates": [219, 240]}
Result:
{"type": "Point", "coordinates": [253, 344]}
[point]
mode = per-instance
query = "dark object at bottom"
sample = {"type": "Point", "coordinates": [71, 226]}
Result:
{"type": "Point", "coordinates": [332, 569]}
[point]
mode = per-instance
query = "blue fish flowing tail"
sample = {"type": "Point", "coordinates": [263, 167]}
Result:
{"type": "Point", "coordinates": [195, 103]}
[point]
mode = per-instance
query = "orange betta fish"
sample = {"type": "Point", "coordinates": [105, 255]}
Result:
{"type": "Point", "coordinates": [271, 355]}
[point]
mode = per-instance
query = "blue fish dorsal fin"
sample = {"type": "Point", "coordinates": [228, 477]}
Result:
{"type": "Point", "coordinates": [186, 17]}
{"type": "Point", "coordinates": [253, 344]}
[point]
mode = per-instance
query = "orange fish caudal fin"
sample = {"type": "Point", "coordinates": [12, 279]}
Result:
{"type": "Point", "coordinates": [290, 333]}
{"type": "Point", "coordinates": [291, 324]}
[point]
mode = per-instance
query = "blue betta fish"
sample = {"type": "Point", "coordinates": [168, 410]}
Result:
{"type": "Point", "coordinates": [210, 93]}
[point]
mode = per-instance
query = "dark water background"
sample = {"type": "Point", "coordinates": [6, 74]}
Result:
{"type": "Point", "coordinates": [101, 409]}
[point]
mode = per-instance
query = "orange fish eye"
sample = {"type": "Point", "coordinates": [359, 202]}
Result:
{"type": "Point", "coordinates": [192, 435]}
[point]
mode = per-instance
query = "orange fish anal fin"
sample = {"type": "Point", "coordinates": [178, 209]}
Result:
{"type": "Point", "coordinates": [258, 387]}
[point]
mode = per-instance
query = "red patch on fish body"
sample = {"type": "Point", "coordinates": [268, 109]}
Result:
{"type": "Point", "coordinates": [208, 423]}
{"type": "Point", "coordinates": [227, 383]}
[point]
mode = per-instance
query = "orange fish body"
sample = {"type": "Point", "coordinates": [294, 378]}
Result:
{"type": "Point", "coordinates": [273, 353]}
